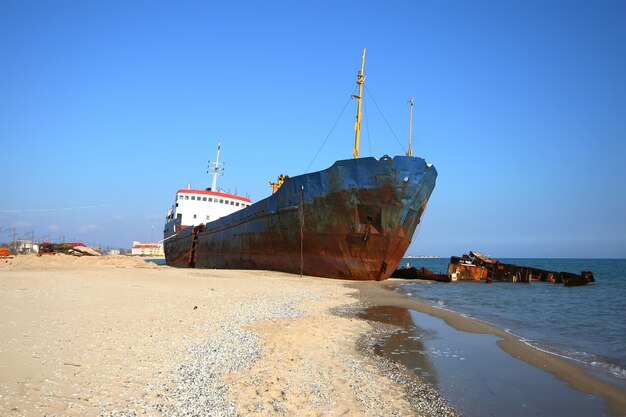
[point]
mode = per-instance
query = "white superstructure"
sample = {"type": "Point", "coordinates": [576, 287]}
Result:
{"type": "Point", "coordinates": [194, 207]}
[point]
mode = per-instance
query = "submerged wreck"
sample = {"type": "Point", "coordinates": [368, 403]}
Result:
{"type": "Point", "coordinates": [411, 272]}
{"type": "Point", "coordinates": [478, 267]}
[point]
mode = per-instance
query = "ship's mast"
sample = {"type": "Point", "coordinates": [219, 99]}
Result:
{"type": "Point", "coordinates": [215, 168]}
{"type": "Point", "coordinates": [410, 151]}
{"type": "Point", "coordinates": [357, 127]}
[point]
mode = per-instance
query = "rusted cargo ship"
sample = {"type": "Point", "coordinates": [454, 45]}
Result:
{"type": "Point", "coordinates": [353, 220]}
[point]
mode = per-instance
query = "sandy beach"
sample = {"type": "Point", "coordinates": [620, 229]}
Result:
{"type": "Point", "coordinates": [116, 336]}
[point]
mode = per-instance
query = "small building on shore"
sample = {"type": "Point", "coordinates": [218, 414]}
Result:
{"type": "Point", "coordinates": [147, 249]}
{"type": "Point", "coordinates": [24, 246]}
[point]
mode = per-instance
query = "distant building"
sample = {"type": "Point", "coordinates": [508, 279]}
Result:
{"type": "Point", "coordinates": [115, 252]}
{"type": "Point", "coordinates": [147, 249]}
{"type": "Point", "coordinates": [24, 246]}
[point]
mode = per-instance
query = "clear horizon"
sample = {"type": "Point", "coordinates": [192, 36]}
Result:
{"type": "Point", "coordinates": [108, 108]}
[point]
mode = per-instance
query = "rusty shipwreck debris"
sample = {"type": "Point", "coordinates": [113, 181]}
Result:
{"type": "Point", "coordinates": [412, 272]}
{"type": "Point", "coordinates": [478, 267]}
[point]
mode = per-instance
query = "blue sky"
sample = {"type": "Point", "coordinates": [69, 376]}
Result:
{"type": "Point", "coordinates": [108, 107]}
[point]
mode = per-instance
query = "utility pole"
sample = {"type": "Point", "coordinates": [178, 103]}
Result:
{"type": "Point", "coordinates": [32, 241]}
{"type": "Point", "coordinates": [12, 244]}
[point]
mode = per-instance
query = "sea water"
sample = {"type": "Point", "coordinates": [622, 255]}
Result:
{"type": "Point", "coordinates": [585, 324]}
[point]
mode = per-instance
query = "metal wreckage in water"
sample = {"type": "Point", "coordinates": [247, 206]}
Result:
{"type": "Point", "coordinates": [478, 267]}
{"type": "Point", "coordinates": [353, 220]}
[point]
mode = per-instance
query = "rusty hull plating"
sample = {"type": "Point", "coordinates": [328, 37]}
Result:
{"type": "Point", "coordinates": [354, 220]}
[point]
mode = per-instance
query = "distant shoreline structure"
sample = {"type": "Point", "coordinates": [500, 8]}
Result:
{"type": "Point", "coordinates": [422, 257]}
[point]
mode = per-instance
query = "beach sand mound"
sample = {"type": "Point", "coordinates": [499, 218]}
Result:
{"type": "Point", "coordinates": [62, 261]}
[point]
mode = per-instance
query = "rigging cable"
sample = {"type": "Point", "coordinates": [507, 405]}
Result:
{"type": "Point", "coordinates": [331, 131]}
{"type": "Point", "coordinates": [385, 119]}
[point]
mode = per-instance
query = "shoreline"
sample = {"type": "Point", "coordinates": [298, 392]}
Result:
{"type": "Point", "coordinates": [578, 378]}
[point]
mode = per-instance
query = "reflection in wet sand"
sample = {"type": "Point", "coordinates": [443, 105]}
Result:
{"type": "Point", "coordinates": [472, 372]}
{"type": "Point", "coordinates": [405, 345]}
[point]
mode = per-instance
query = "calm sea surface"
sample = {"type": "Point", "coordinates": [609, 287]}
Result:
{"type": "Point", "coordinates": [586, 324]}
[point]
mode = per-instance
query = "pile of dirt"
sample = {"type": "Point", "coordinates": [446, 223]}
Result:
{"type": "Point", "coordinates": [62, 261]}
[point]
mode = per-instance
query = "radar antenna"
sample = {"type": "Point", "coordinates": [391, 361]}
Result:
{"type": "Point", "coordinates": [216, 168]}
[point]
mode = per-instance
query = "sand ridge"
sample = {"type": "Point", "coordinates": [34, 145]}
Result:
{"type": "Point", "coordinates": [33, 262]}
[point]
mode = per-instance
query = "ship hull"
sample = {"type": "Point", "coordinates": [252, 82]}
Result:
{"type": "Point", "coordinates": [354, 220]}
{"type": "Point", "coordinates": [178, 248]}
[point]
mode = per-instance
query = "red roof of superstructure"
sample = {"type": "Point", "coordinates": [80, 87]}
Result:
{"type": "Point", "coordinates": [215, 193]}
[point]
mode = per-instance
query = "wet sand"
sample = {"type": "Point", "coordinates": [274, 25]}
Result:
{"type": "Point", "coordinates": [460, 331]}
